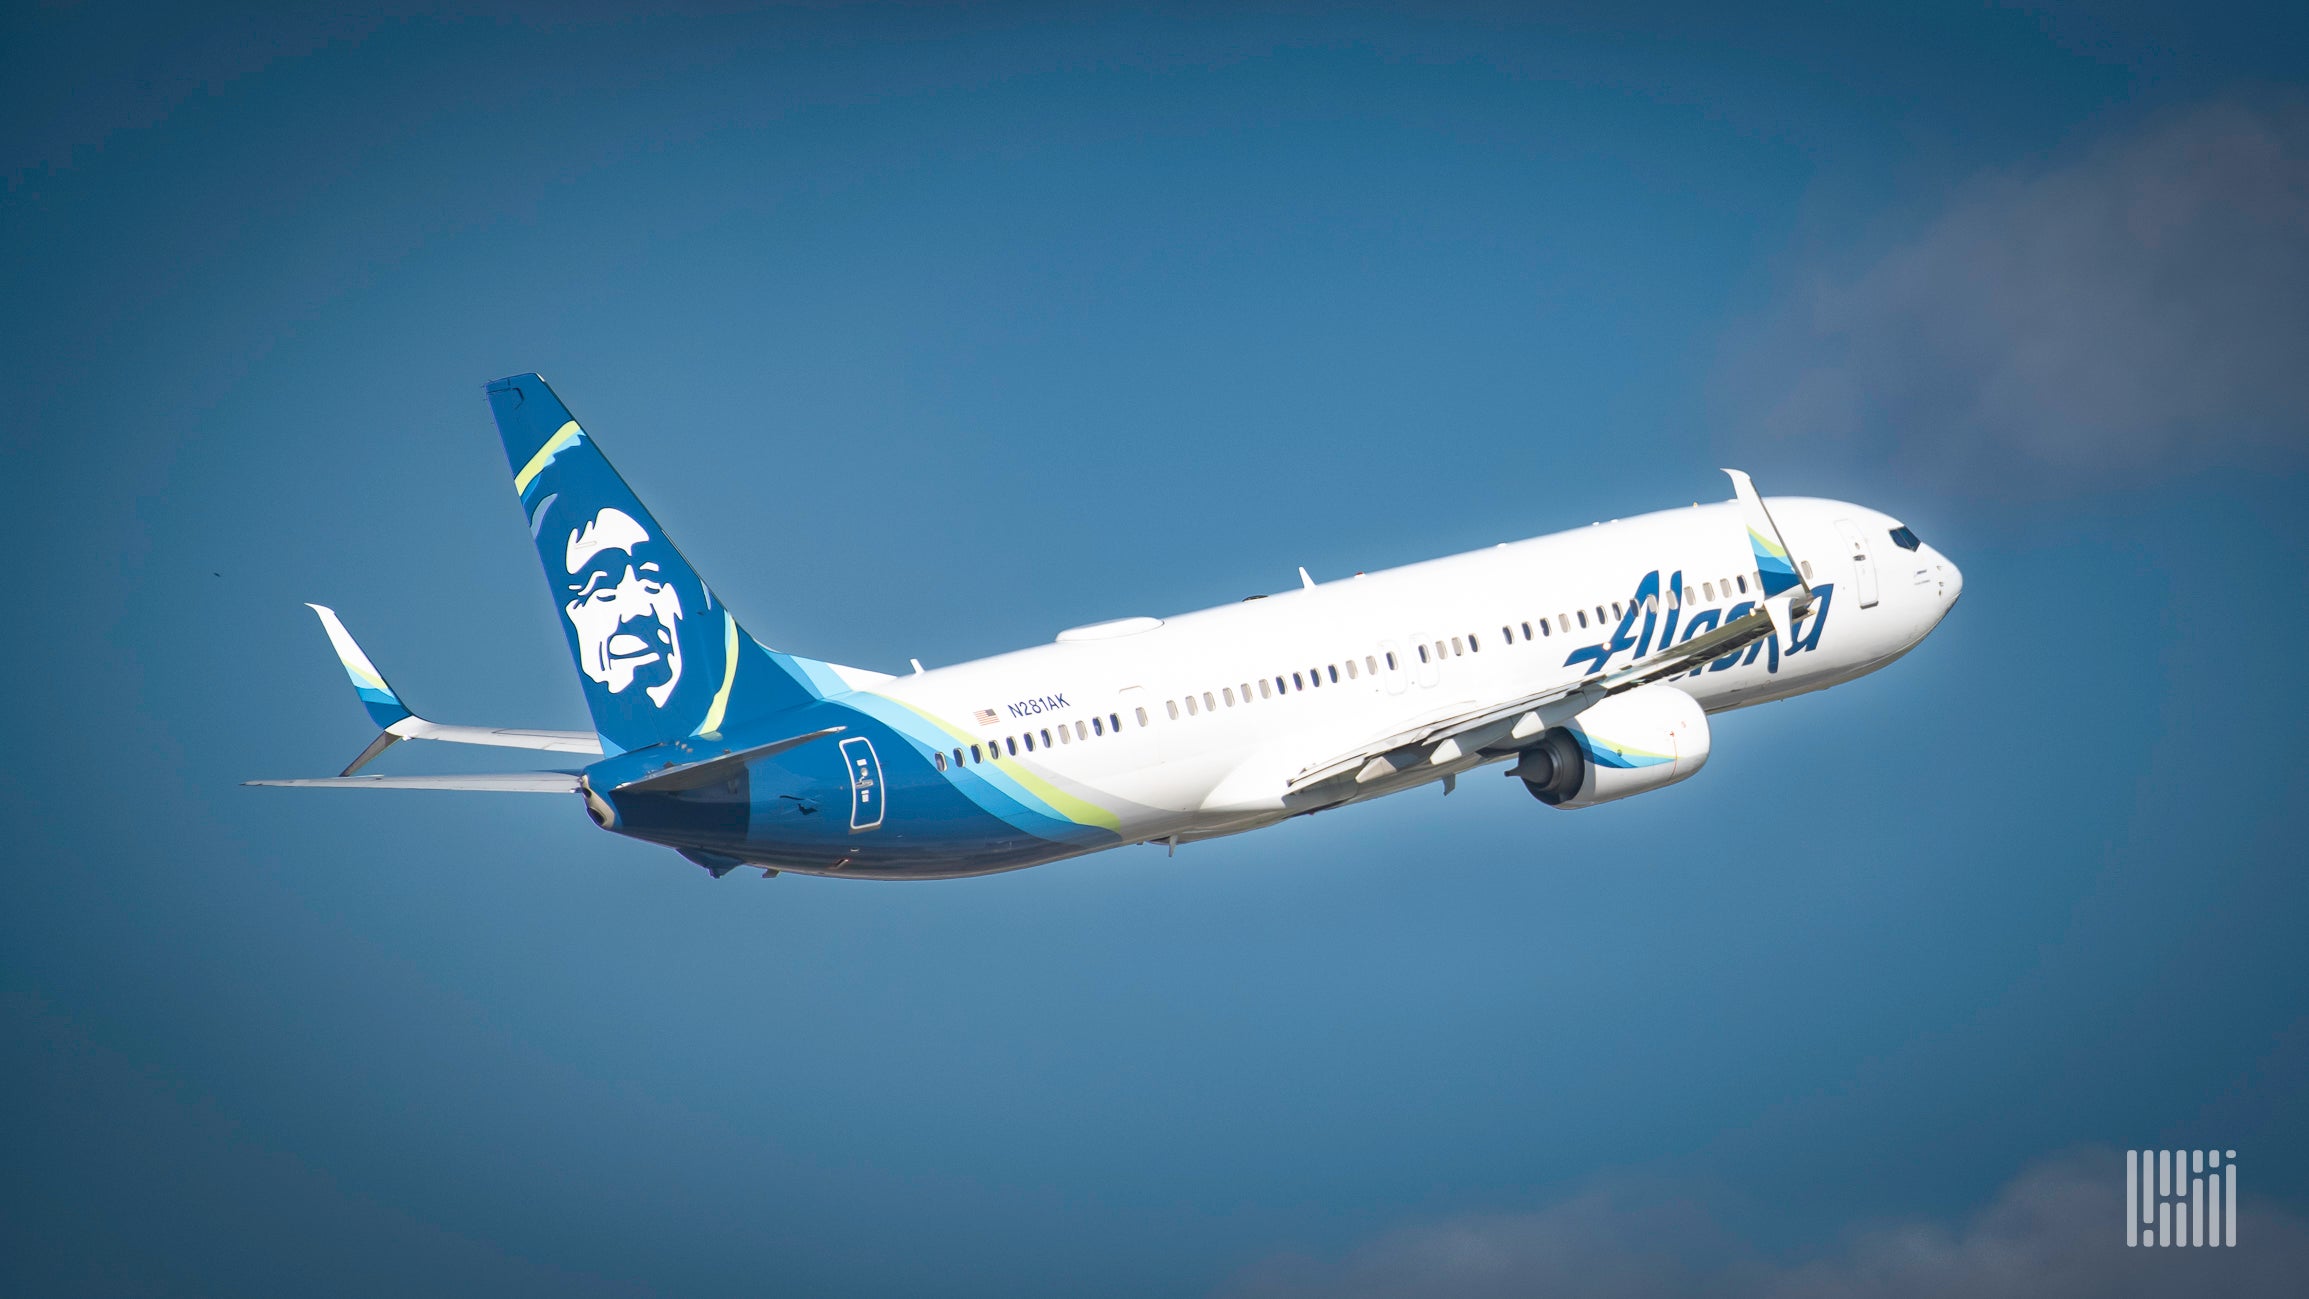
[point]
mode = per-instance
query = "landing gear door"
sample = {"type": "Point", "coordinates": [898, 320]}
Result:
{"type": "Point", "coordinates": [865, 771]}
{"type": "Point", "coordinates": [1863, 566]}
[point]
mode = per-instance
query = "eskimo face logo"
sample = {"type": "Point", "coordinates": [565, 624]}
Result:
{"type": "Point", "coordinates": [628, 618]}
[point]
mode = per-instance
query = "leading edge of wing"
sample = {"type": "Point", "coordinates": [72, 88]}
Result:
{"type": "Point", "coordinates": [503, 782]}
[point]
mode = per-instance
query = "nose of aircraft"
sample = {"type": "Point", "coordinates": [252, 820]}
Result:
{"type": "Point", "coordinates": [1938, 583]}
{"type": "Point", "coordinates": [1947, 583]}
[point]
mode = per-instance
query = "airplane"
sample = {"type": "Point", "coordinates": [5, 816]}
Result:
{"type": "Point", "coordinates": [1587, 662]}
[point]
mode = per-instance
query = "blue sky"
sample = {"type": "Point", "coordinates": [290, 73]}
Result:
{"type": "Point", "coordinates": [929, 332]}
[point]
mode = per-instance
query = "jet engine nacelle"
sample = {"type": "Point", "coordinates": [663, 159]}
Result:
{"type": "Point", "coordinates": [1649, 737]}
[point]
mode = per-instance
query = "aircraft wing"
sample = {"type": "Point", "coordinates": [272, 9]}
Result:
{"type": "Point", "coordinates": [503, 782]}
{"type": "Point", "coordinates": [1787, 598]}
{"type": "Point", "coordinates": [1551, 706]}
{"type": "Point", "coordinates": [398, 723]}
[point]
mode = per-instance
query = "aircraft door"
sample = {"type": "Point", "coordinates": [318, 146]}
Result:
{"type": "Point", "coordinates": [1428, 658]}
{"type": "Point", "coordinates": [1398, 676]}
{"type": "Point", "coordinates": [1863, 566]}
{"type": "Point", "coordinates": [865, 771]}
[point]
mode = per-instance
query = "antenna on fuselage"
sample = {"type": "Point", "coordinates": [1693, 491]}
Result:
{"type": "Point", "coordinates": [1305, 580]}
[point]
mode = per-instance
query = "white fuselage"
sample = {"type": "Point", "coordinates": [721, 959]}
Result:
{"type": "Point", "coordinates": [1218, 710]}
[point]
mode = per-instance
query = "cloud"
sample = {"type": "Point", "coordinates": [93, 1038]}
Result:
{"type": "Point", "coordinates": [2055, 1230]}
{"type": "Point", "coordinates": [2142, 307]}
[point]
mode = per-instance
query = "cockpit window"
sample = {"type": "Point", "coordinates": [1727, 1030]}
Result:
{"type": "Point", "coordinates": [1905, 539]}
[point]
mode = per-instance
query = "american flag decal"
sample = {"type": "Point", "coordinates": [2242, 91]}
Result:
{"type": "Point", "coordinates": [987, 717]}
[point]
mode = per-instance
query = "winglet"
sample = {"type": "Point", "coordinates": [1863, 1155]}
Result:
{"type": "Point", "coordinates": [385, 707]}
{"type": "Point", "coordinates": [1775, 567]}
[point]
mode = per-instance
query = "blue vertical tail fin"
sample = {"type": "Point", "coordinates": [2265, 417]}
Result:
{"type": "Point", "coordinates": [659, 656]}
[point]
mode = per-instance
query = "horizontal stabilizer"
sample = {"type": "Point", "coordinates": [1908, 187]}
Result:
{"type": "Point", "coordinates": [697, 775]}
{"type": "Point", "coordinates": [501, 782]}
{"type": "Point", "coordinates": [387, 710]}
{"type": "Point", "coordinates": [503, 737]}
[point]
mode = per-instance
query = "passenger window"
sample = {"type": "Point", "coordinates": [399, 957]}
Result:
{"type": "Point", "coordinates": [1690, 595]}
{"type": "Point", "coordinates": [1439, 651]}
{"type": "Point", "coordinates": [1046, 739]}
{"type": "Point", "coordinates": [1011, 743]}
{"type": "Point", "coordinates": [1334, 671]}
{"type": "Point", "coordinates": [1190, 705]}
{"type": "Point", "coordinates": [939, 759]}
{"type": "Point", "coordinates": [1563, 622]}
{"type": "Point", "coordinates": [1210, 705]}
{"type": "Point", "coordinates": [1457, 647]}
{"type": "Point", "coordinates": [1296, 683]}
{"type": "Point", "coordinates": [1527, 628]}
{"type": "Point", "coordinates": [1600, 619]}
{"type": "Point", "coordinates": [1743, 584]}
{"type": "Point", "coordinates": [1030, 741]}
{"type": "Point", "coordinates": [1391, 660]}
{"type": "Point", "coordinates": [1371, 664]}
{"type": "Point", "coordinates": [1615, 608]}
{"type": "Point", "coordinates": [1710, 588]}
{"type": "Point", "coordinates": [1082, 729]}
{"type": "Point", "coordinates": [1141, 718]}
{"type": "Point", "coordinates": [1545, 629]}
{"type": "Point", "coordinates": [1315, 677]}
{"type": "Point", "coordinates": [957, 757]}
{"type": "Point", "coordinates": [1807, 569]}
{"type": "Point", "coordinates": [1173, 705]}
{"type": "Point", "coordinates": [1227, 693]}
{"type": "Point", "coordinates": [1350, 669]}
{"type": "Point", "coordinates": [1423, 653]}
{"type": "Point", "coordinates": [1095, 728]}
{"type": "Point", "coordinates": [1063, 736]}
{"type": "Point", "coordinates": [1265, 693]}
{"type": "Point", "coordinates": [1246, 689]}
{"type": "Point", "coordinates": [1474, 646]}
{"type": "Point", "coordinates": [1583, 617]}
{"type": "Point", "coordinates": [974, 754]}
